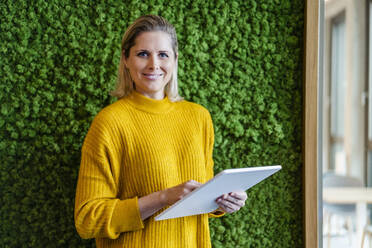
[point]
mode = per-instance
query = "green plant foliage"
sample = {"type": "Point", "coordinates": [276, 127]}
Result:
{"type": "Point", "coordinates": [240, 59]}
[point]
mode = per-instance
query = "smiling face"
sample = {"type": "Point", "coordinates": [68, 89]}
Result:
{"type": "Point", "coordinates": [151, 63]}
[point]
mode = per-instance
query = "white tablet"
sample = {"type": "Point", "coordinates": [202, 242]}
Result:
{"type": "Point", "coordinates": [202, 199]}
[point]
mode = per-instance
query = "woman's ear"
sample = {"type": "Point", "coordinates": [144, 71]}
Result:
{"type": "Point", "coordinates": [176, 58]}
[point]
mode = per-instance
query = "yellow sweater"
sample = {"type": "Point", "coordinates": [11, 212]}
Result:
{"type": "Point", "coordinates": [134, 147]}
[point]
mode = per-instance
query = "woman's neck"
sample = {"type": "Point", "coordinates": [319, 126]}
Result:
{"type": "Point", "coordinates": [155, 96]}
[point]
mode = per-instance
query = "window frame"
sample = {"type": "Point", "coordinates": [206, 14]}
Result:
{"type": "Point", "coordinates": [313, 16]}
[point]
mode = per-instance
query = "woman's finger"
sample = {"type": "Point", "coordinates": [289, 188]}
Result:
{"type": "Point", "coordinates": [234, 200]}
{"type": "Point", "coordinates": [229, 204]}
{"type": "Point", "coordinates": [226, 206]}
{"type": "Point", "coordinates": [192, 184]}
{"type": "Point", "coordinates": [241, 195]}
{"type": "Point", "coordinates": [227, 209]}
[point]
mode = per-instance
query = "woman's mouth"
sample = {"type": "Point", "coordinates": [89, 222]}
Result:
{"type": "Point", "coordinates": [152, 76]}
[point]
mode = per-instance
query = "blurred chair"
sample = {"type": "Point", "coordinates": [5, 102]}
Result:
{"type": "Point", "coordinates": [346, 211]}
{"type": "Point", "coordinates": [367, 233]}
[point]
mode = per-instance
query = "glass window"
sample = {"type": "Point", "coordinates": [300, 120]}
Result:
{"type": "Point", "coordinates": [338, 87]}
{"type": "Point", "coordinates": [369, 163]}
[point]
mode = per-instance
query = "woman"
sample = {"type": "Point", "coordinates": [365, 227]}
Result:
{"type": "Point", "coordinates": [146, 151]}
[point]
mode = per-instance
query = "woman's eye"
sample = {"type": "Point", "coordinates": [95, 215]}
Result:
{"type": "Point", "coordinates": [142, 54]}
{"type": "Point", "coordinates": [163, 55]}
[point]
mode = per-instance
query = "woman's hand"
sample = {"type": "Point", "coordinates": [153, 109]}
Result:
{"type": "Point", "coordinates": [176, 193]}
{"type": "Point", "coordinates": [232, 202]}
{"type": "Point", "coordinates": [150, 204]}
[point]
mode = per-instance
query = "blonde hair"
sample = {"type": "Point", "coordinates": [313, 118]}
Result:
{"type": "Point", "coordinates": [145, 23]}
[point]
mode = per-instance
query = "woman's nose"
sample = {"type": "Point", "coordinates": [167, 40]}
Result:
{"type": "Point", "coordinates": [153, 63]}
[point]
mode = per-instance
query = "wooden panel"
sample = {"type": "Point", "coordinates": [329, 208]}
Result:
{"type": "Point", "coordinates": [310, 124]}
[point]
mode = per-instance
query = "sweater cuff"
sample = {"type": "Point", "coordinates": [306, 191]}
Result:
{"type": "Point", "coordinates": [126, 216]}
{"type": "Point", "coordinates": [215, 214]}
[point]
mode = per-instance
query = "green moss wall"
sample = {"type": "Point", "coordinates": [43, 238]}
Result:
{"type": "Point", "coordinates": [58, 60]}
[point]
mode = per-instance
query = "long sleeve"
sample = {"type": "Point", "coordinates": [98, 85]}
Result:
{"type": "Point", "coordinates": [98, 210]}
{"type": "Point", "coordinates": [209, 143]}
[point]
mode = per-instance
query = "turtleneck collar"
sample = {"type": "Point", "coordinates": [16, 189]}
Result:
{"type": "Point", "coordinates": [150, 105]}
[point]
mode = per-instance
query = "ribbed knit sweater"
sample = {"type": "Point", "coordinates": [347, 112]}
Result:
{"type": "Point", "coordinates": [134, 147]}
